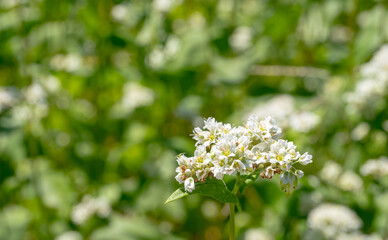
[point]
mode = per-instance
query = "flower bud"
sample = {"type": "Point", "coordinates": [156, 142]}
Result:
{"type": "Point", "coordinates": [288, 182]}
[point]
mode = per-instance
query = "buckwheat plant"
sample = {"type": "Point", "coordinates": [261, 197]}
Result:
{"type": "Point", "coordinates": [247, 152]}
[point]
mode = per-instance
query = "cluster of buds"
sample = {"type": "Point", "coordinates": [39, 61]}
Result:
{"type": "Point", "coordinates": [225, 150]}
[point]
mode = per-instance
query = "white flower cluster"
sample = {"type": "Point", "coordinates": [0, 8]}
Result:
{"type": "Point", "coordinates": [333, 219]}
{"type": "Point", "coordinates": [374, 83]}
{"type": "Point", "coordinates": [88, 207]}
{"type": "Point", "coordinates": [375, 167]}
{"type": "Point", "coordinates": [226, 150]}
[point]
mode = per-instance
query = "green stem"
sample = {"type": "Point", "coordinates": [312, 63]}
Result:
{"type": "Point", "coordinates": [232, 207]}
{"type": "Point", "coordinates": [231, 221]}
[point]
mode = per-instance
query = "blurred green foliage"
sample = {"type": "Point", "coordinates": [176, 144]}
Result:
{"type": "Point", "coordinates": [98, 97]}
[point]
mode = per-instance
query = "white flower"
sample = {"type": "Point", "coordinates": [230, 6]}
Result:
{"type": "Point", "coordinates": [189, 184]}
{"type": "Point", "coordinates": [288, 182]}
{"type": "Point", "coordinates": [333, 219]}
{"type": "Point", "coordinates": [305, 159]}
{"type": "Point", "coordinates": [299, 173]}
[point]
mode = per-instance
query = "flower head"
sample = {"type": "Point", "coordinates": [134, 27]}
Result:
{"type": "Point", "coordinates": [225, 150]}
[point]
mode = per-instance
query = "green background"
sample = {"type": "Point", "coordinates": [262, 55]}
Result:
{"type": "Point", "coordinates": [74, 130]}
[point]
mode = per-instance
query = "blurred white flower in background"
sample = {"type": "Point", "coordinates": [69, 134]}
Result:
{"type": "Point", "coordinates": [88, 207]}
{"type": "Point", "coordinates": [210, 209]}
{"type": "Point", "coordinates": [62, 139]}
{"type": "Point", "coordinates": [333, 219]}
{"type": "Point", "coordinates": [224, 9]}
{"type": "Point", "coordinates": [30, 103]}
{"type": "Point", "coordinates": [172, 46]}
{"type": "Point", "coordinates": [303, 121]}
{"type": "Point", "coordinates": [7, 98]}
{"type": "Point", "coordinates": [121, 59]}
{"type": "Point", "coordinates": [119, 12]}
{"type": "Point", "coordinates": [282, 107]}
{"type": "Point", "coordinates": [51, 83]}
{"type": "Point", "coordinates": [330, 172]}
{"type": "Point", "coordinates": [68, 63]}
{"type": "Point", "coordinates": [375, 167]}
{"type": "Point", "coordinates": [340, 34]}
{"type": "Point", "coordinates": [357, 236]}
{"type": "Point", "coordinates": [134, 95]}
{"type": "Point", "coordinates": [35, 94]}
{"type": "Point", "coordinates": [162, 54]}
{"type": "Point", "coordinates": [73, 63]}
{"type": "Point", "coordinates": [385, 125]}
{"type": "Point", "coordinates": [360, 131]}
{"type": "Point", "coordinates": [197, 21]}
{"type": "Point", "coordinates": [156, 59]}
{"type": "Point", "coordinates": [350, 181]}
{"type": "Point", "coordinates": [33, 107]}
{"type": "Point", "coordinates": [374, 81]}
{"type": "Point", "coordinates": [257, 233]}
{"type": "Point", "coordinates": [7, 4]}
{"type": "Point", "coordinates": [241, 39]}
{"type": "Point", "coordinates": [333, 174]}
{"type": "Point", "coordinates": [162, 5]}
{"type": "Point", "coordinates": [69, 235]}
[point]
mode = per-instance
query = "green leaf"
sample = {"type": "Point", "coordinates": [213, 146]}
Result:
{"type": "Point", "coordinates": [210, 188]}
{"type": "Point", "coordinates": [179, 193]}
